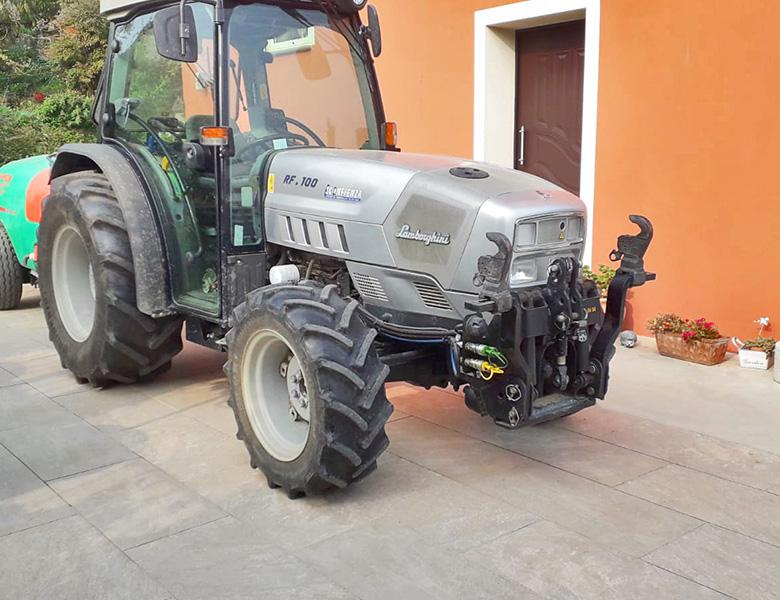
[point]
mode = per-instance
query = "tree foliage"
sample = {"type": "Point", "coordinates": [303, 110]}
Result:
{"type": "Point", "coordinates": [25, 30]}
{"type": "Point", "coordinates": [51, 56]}
{"type": "Point", "coordinates": [78, 48]}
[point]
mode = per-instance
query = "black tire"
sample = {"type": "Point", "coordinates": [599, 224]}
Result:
{"type": "Point", "coordinates": [124, 345]}
{"type": "Point", "coordinates": [11, 275]}
{"type": "Point", "coordinates": [348, 404]}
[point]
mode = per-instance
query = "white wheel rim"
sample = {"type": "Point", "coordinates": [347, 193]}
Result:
{"type": "Point", "coordinates": [271, 376]}
{"type": "Point", "coordinates": [73, 281]}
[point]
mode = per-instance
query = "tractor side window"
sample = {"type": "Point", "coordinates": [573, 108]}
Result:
{"type": "Point", "coordinates": [159, 106]}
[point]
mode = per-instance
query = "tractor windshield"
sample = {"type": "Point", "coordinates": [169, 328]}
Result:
{"type": "Point", "coordinates": [297, 77]}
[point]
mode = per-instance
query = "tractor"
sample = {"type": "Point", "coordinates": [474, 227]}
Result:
{"type": "Point", "coordinates": [246, 183]}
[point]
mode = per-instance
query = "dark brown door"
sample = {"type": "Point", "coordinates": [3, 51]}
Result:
{"type": "Point", "coordinates": [550, 67]}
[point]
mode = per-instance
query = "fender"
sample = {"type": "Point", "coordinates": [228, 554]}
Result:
{"type": "Point", "coordinates": [153, 295]}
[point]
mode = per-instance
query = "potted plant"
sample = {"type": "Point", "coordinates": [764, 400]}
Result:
{"type": "Point", "coordinates": [696, 341]}
{"type": "Point", "coordinates": [602, 279]}
{"type": "Point", "coordinates": [758, 353]}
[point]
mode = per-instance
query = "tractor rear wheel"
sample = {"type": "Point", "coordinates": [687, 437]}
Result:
{"type": "Point", "coordinates": [87, 284]}
{"type": "Point", "coordinates": [307, 388]}
{"type": "Point", "coordinates": [11, 275]}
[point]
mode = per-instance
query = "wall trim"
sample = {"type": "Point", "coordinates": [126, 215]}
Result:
{"type": "Point", "coordinates": [494, 83]}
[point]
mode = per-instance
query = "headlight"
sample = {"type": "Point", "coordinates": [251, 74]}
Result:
{"type": "Point", "coordinates": [524, 270]}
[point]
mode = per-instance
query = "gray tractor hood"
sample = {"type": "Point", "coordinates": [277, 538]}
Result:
{"type": "Point", "coordinates": [403, 211]}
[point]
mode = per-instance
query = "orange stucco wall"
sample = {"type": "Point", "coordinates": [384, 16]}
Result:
{"type": "Point", "coordinates": [688, 134]}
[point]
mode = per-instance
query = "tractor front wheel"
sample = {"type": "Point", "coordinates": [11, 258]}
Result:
{"type": "Point", "coordinates": [87, 284]}
{"type": "Point", "coordinates": [11, 276]}
{"type": "Point", "coordinates": [307, 388]}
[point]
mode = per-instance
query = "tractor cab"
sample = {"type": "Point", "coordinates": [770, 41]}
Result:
{"type": "Point", "coordinates": [201, 95]}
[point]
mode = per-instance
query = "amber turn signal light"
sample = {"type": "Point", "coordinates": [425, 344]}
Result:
{"type": "Point", "coordinates": [391, 135]}
{"type": "Point", "coordinates": [215, 136]}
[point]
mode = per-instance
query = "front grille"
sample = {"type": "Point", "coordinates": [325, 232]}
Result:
{"type": "Point", "coordinates": [369, 287]}
{"type": "Point", "coordinates": [432, 296]}
{"type": "Point", "coordinates": [563, 230]}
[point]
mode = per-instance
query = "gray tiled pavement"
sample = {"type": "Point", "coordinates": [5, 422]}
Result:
{"type": "Point", "coordinates": [670, 489]}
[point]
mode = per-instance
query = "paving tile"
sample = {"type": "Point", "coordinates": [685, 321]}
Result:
{"type": "Point", "coordinates": [133, 503]}
{"type": "Point", "coordinates": [216, 414]}
{"type": "Point", "coordinates": [727, 402]}
{"type": "Point", "coordinates": [115, 409]}
{"type": "Point", "coordinates": [458, 518]}
{"type": "Point", "coordinates": [25, 501]}
{"type": "Point", "coordinates": [557, 563]}
{"type": "Point", "coordinates": [23, 406]}
{"type": "Point", "coordinates": [215, 465]}
{"type": "Point", "coordinates": [226, 560]}
{"type": "Point", "coordinates": [397, 416]}
{"type": "Point", "coordinates": [69, 559]}
{"type": "Point", "coordinates": [58, 450]}
{"type": "Point", "coordinates": [687, 448]}
{"type": "Point", "coordinates": [732, 563]}
{"type": "Point", "coordinates": [20, 342]}
{"type": "Point", "coordinates": [442, 511]}
{"type": "Point", "coordinates": [7, 379]}
{"type": "Point", "coordinates": [383, 560]}
{"type": "Point", "coordinates": [399, 390]}
{"type": "Point", "coordinates": [730, 505]}
{"type": "Point", "coordinates": [609, 516]}
{"type": "Point", "coordinates": [578, 454]}
{"type": "Point", "coordinates": [310, 520]}
{"type": "Point", "coordinates": [445, 408]}
{"type": "Point", "coordinates": [44, 372]}
{"type": "Point", "coordinates": [195, 378]}
{"type": "Point", "coordinates": [575, 453]}
{"type": "Point", "coordinates": [454, 455]}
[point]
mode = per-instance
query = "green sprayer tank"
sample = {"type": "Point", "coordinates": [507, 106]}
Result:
{"type": "Point", "coordinates": [24, 185]}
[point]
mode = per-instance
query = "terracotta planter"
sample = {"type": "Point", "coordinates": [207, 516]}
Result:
{"type": "Point", "coordinates": [704, 352]}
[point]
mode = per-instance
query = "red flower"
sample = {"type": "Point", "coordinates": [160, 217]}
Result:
{"type": "Point", "coordinates": [39, 97]}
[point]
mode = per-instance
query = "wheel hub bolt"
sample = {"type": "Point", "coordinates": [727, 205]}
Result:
{"type": "Point", "coordinates": [293, 414]}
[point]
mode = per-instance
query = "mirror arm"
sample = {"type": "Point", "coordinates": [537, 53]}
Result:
{"type": "Point", "coordinates": [184, 28]}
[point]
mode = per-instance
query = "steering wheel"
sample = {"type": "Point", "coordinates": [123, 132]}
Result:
{"type": "Point", "coordinates": [267, 139]}
{"type": "Point", "coordinates": [170, 125]}
{"type": "Point", "coordinates": [306, 129]}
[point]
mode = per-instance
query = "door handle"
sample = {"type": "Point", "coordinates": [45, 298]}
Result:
{"type": "Point", "coordinates": [521, 159]}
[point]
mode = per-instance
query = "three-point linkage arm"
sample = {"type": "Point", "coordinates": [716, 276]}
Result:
{"type": "Point", "coordinates": [631, 273]}
{"type": "Point", "coordinates": [631, 251]}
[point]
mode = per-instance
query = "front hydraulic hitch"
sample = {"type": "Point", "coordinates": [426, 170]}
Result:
{"type": "Point", "coordinates": [631, 251]}
{"type": "Point", "coordinates": [631, 273]}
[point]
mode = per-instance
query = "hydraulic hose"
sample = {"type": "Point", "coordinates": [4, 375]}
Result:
{"type": "Point", "coordinates": [433, 335]}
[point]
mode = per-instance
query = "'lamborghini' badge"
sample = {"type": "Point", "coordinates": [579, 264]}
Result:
{"type": "Point", "coordinates": [407, 233]}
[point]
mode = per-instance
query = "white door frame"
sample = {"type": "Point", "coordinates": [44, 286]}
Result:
{"type": "Point", "coordinates": [495, 85]}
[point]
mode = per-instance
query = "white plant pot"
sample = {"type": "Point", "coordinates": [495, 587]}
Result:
{"type": "Point", "coordinates": [777, 365]}
{"type": "Point", "coordinates": [755, 359]}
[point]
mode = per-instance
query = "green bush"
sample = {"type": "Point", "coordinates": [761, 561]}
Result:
{"type": "Point", "coordinates": [25, 133]}
{"type": "Point", "coordinates": [66, 110]}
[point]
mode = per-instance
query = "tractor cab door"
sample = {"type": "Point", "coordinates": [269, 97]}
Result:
{"type": "Point", "coordinates": [158, 106]}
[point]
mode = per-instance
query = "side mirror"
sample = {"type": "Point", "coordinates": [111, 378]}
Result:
{"type": "Point", "coordinates": [175, 34]}
{"type": "Point", "coordinates": [349, 7]}
{"type": "Point", "coordinates": [374, 31]}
